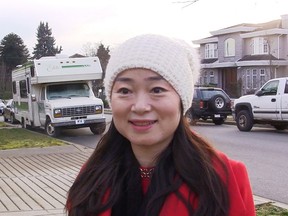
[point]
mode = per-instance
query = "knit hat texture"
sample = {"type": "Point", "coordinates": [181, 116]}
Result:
{"type": "Point", "coordinates": [175, 60]}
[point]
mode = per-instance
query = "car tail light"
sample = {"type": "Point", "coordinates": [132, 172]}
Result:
{"type": "Point", "coordinates": [201, 104]}
{"type": "Point", "coordinates": [229, 105]}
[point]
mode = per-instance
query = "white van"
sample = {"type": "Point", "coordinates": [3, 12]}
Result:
{"type": "Point", "coordinates": [56, 93]}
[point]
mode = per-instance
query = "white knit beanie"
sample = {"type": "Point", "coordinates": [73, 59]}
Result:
{"type": "Point", "coordinates": [175, 60]}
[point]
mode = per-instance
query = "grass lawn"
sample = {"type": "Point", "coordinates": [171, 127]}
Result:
{"type": "Point", "coordinates": [12, 138]}
{"type": "Point", "coordinates": [268, 209]}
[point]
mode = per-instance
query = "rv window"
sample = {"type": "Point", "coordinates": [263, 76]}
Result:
{"type": "Point", "coordinates": [14, 87]}
{"type": "Point", "coordinates": [67, 90]}
{"type": "Point", "coordinates": [43, 93]}
{"type": "Point", "coordinates": [28, 86]}
{"type": "Point", "coordinates": [23, 89]}
{"type": "Point", "coordinates": [32, 71]}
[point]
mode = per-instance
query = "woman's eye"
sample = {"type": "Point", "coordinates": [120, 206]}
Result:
{"type": "Point", "coordinates": [158, 90]}
{"type": "Point", "coordinates": [123, 91]}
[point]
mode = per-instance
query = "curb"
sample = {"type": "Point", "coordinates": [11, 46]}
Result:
{"type": "Point", "coordinates": [261, 200]}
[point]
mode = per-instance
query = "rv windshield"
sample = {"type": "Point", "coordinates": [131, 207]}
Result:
{"type": "Point", "coordinates": [67, 90]}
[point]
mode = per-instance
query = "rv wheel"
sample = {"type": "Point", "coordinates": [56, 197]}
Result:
{"type": "Point", "coordinates": [51, 130]}
{"type": "Point", "coordinates": [98, 128]}
{"type": "Point", "coordinates": [23, 123]}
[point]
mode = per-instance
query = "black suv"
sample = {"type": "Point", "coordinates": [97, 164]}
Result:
{"type": "Point", "coordinates": [209, 103]}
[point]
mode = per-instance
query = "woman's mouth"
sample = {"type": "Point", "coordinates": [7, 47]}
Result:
{"type": "Point", "coordinates": [142, 123]}
{"type": "Point", "coordinates": [142, 126]}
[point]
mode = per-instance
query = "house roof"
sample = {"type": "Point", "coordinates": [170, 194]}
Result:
{"type": "Point", "coordinates": [258, 57]}
{"type": "Point", "coordinates": [266, 25]}
{"type": "Point", "coordinates": [208, 61]}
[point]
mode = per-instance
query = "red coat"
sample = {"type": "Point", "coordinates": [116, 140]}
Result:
{"type": "Point", "coordinates": [241, 198]}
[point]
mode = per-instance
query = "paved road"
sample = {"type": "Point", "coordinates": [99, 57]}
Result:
{"type": "Point", "coordinates": [35, 181]}
{"type": "Point", "coordinates": [263, 150]}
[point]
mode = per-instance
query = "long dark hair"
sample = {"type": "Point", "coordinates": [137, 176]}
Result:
{"type": "Point", "coordinates": [188, 158]}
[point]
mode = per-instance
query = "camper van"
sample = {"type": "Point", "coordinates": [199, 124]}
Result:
{"type": "Point", "coordinates": [55, 93]}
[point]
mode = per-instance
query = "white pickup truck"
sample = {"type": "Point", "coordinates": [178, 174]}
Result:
{"type": "Point", "coordinates": [269, 105]}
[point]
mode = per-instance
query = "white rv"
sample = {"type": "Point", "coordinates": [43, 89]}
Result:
{"type": "Point", "coordinates": [55, 93]}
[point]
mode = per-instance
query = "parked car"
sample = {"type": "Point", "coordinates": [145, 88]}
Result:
{"type": "Point", "coordinates": [9, 112]}
{"type": "Point", "coordinates": [2, 106]}
{"type": "Point", "coordinates": [209, 103]}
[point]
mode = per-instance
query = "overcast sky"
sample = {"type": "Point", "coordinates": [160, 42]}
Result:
{"type": "Point", "coordinates": [78, 22]}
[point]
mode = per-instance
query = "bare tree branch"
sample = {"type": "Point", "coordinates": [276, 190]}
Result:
{"type": "Point", "coordinates": [186, 2]}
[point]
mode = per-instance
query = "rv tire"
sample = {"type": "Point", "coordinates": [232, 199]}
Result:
{"type": "Point", "coordinates": [51, 130]}
{"type": "Point", "coordinates": [12, 119]}
{"type": "Point", "coordinates": [23, 123]}
{"type": "Point", "coordinates": [98, 128]}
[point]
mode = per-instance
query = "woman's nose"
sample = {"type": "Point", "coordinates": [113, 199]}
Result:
{"type": "Point", "coordinates": [141, 104]}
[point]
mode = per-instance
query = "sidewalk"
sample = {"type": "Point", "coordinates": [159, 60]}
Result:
{"type": "Point", "coordinates": [35, 181]}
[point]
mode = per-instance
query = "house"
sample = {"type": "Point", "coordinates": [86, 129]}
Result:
{"type": "Point", "coordinates": [241, 58]}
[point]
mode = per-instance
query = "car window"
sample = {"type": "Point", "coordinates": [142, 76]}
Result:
{"type": "Point", "coordinates": [9, 103]}
{"type": "Point", "coordinates": [207, 94]}
{"type": "Point", "coordinates": [195, 95]}
{"type": "Point", "coordinates": [270, 88]}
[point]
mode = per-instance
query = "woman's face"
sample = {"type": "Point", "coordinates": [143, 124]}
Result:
{"type": "Point", "coordinates": [145, 108]}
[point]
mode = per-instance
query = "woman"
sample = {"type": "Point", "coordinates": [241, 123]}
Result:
{"type": "Point", "coordinates": [150, 162]}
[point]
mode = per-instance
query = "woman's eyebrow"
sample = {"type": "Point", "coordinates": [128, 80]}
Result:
{"type": "Point", "coordinates": [123, 79]}
{"type": "Point", "coordinates": [127, 79]}
{"type": "Point", "coordinates": [154, 78]}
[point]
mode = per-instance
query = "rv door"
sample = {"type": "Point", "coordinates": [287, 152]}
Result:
{"type": "Point", "coordinates": [41, 107]}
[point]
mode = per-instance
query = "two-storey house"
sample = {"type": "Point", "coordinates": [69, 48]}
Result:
{"type": "Point", "coordinates": [241, 58]}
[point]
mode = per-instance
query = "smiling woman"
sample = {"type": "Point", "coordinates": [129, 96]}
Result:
{"type": "Point", "coordinates": [150, 162]}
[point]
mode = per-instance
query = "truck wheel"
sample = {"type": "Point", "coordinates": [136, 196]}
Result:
{"type": "Point", "coordinates": [98, 128]}
{"type": "Point", "coordinates": [51, 130]}
{"type": "Point", "coordinates": [218, 121]}
{"type": "Point", "coordinates": [192, 120]}
{"type": "Point", "coordinates": [12, 119]}
{"type": "Point", "coordinates": [244, 121]}
{"type": "Point", "coordinates": [217, 102]}
{"type": "Point", "coordinates": [280, 127]}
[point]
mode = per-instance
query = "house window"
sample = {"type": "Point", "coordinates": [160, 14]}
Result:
{"type": "Point", "coordinates": [211, 51]}
{"type": "Point", "coordinates": [262, 77]}
{"type": "Point", "coordinates": [201, 80]}
{"type": "Point", "coordinates": [211, 77]}
{"type": "Point", "coordinates": [248, 79]}
{"type": "Point", "coordinates": [229, 47]}
{"type": "Point", "coordinates": [205, 78]}
{"type": "Point", "coordinates": [260, 46]}
{"type": "Point", "coordinates": [254, 79]}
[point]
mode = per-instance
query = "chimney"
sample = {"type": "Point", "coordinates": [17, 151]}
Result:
{"type": "Point", "coordinates": [284, 21]}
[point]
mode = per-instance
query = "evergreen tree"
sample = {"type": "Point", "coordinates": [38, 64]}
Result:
{"type": "Point", "coordinates": [104, 56]}
{"type": "Point", "coordinates": [45, 42]}
{"type": "Point", "coordinates": [13, 51]}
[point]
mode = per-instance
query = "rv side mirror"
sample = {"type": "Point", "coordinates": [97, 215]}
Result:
{"type": "Point", "coordinates": [33, 97]}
